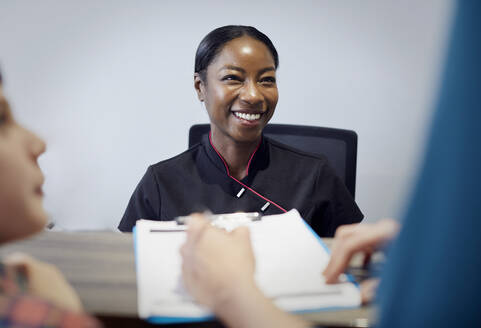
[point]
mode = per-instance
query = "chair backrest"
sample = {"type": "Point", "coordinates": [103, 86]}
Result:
{"type": "Point", "coordinates": [338, 145]}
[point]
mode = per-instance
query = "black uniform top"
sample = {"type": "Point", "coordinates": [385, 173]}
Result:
{"type": "Point", "coordinates": [279, 178]}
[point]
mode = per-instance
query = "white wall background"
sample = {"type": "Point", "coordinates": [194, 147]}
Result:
{"type": "Point", "coordinates": [108, 85]}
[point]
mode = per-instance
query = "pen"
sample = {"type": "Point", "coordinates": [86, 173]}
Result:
{"type": "Point", "coordinates": [219, 219]}
{"type": "Point", "coordinates": [227, 221]}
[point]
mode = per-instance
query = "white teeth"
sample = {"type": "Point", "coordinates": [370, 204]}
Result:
{"type": "Point", "coordinates": [248, 117]}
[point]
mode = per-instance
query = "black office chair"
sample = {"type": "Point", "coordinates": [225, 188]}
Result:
{"type": "Point", "coordinates": [338, 145]}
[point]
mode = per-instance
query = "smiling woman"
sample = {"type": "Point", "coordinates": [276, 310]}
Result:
{"type": "Point", "coordinates": [235, 168]}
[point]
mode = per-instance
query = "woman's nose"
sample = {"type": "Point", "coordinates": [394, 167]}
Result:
{"type": "Point", "coordinates": [36, 144]}
{"type": "Point", "coordinates": [251, 94]}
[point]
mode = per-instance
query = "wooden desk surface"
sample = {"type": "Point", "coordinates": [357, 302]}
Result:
{"type": "Point", "coordinates": [101, 267]}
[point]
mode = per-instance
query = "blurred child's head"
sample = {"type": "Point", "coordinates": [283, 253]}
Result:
{"type": "Point", "coordinates": [21, 208]}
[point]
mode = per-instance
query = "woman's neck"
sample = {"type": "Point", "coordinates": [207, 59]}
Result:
{"type": "Point", "coordinates": [235, 154]}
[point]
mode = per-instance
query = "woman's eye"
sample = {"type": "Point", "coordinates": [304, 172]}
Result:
{"type": "Point", "coordinates": [4, 112]}
{"type": "Point", "coordinates": [268, 80]}
{"type": "Point", "coordinates": [231, 78]}
{"type": "Point", "coordinates": [3, 115]}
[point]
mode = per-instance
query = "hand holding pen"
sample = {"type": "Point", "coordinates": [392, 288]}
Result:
{"type": "Point", "coordinates": [211, 259]}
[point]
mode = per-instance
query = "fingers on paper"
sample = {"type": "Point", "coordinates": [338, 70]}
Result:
{"type": "Point", "coordinates": [195, 228]}
{"type": "Point", "coordinates": [242, 233]}
{"type": "Point", "coordinates": [346, 244]}
{"type": "Point", "coordinates": [352, 239]}
{"type": "Point", "coordinates": [368, 290]}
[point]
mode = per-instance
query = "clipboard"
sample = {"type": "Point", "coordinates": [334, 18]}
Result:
{"type": "Point", "coordinates": [289, 255]}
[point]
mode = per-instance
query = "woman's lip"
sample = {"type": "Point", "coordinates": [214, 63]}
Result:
{"type": "Point", "coordinates": [246, 111]}
{"type": "Point", "coordinates": [247, 122]}
{"type": "Point", "coordinates": [39, 191]}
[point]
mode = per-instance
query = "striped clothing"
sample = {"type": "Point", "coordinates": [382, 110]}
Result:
{"type": "Point", "coordinates": [19, 309]}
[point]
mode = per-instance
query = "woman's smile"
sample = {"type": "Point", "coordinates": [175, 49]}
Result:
{"type": "Point", "coordinates": [247, 118]}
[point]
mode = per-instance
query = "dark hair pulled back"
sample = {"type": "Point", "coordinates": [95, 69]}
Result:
{"type": "Point", "coordinates": [212, 44]}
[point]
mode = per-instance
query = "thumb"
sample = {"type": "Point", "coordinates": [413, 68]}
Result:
{"type": "Point", "coordinates": [18, 258]}
{"type": "Point", "coordinates": [242, 233]}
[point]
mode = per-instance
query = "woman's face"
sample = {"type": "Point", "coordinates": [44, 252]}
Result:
{"type": "Point", "coordinates": [240, 91]}
{"type": "Point", "coordinates": [21, 209]}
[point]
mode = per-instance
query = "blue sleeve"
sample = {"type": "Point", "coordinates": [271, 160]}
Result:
{"type": "Point", "coordinates": [144, 203]}
{"type": "Point", "coordinates": [433, 275]}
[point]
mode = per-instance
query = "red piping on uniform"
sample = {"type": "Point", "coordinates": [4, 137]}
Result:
{"type": "Point", "coordinates": [230, 176]}
{"type": "Point", "coordinates": [252, 156]}
{"type": "Point", "coordinates": [225, 164]}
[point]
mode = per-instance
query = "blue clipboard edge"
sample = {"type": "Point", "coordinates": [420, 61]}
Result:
{"type": "Point", "coordinates": [349, 276]}
{"type": "Point", "coordinates": [173, 320]}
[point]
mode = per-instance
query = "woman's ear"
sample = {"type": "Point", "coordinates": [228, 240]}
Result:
{"type": "Point", "coordinates": [199, 86]}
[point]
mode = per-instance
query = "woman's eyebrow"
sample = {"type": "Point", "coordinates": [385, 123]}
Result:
{"type": "Point", "coordinates": [267, 69]}
{"type": "Point", "coordinates": [232, 67]}
{"type": "Point", "coordinates": [241, 70]}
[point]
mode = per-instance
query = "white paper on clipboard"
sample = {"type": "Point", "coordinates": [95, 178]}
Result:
{"type": "Point", "coordinates": [289, 260]}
